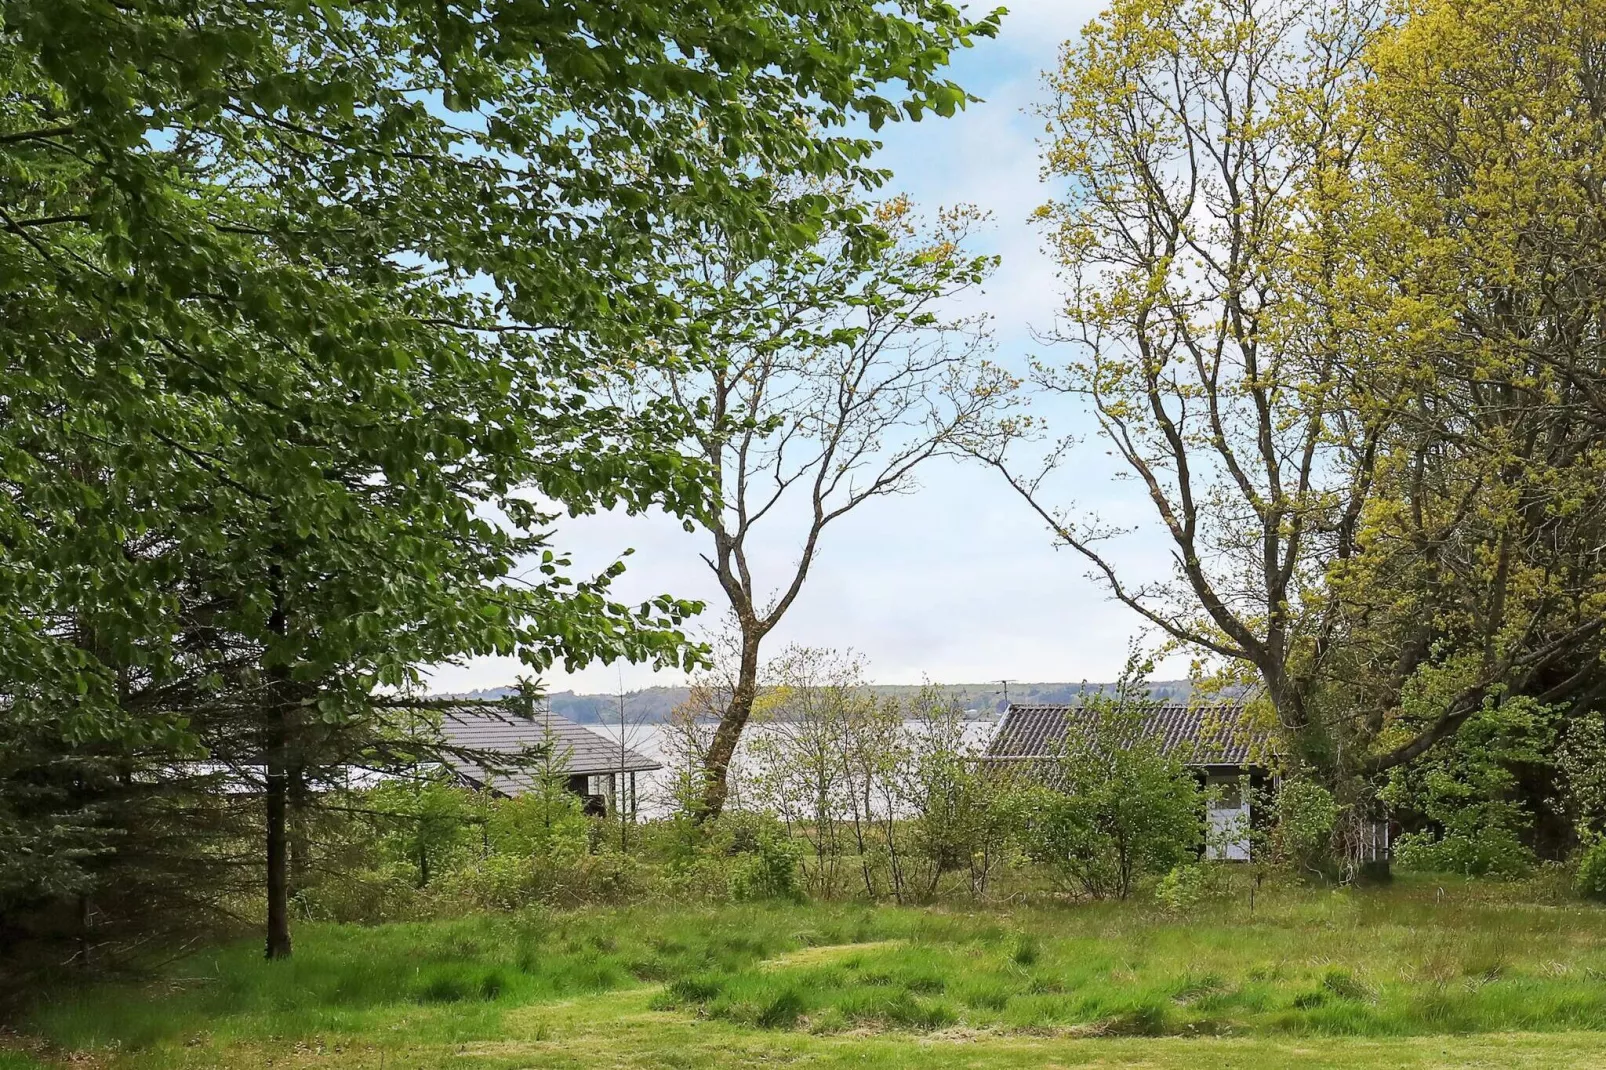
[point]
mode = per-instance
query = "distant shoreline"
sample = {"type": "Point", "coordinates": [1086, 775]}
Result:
{"type": "Point", "coordinates": [653, 705]}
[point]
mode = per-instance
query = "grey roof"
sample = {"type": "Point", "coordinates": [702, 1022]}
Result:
{"type": "Point", "coordinates": [1199, 735]}
{"type": "Point", "coordinates": [583, 751]}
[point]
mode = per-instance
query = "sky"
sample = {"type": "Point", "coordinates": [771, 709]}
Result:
{"type": "Point", "coordinates": [957, 582]}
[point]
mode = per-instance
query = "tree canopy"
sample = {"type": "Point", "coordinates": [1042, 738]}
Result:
{"type": "Point", "coordinates": [308, 314]}
{"type": "Point", "coordinates": [1334, 300]}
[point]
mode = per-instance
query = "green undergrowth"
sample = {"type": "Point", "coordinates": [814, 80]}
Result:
{"type": "Point", "coordinates": [1412, 960]}
{"type": "Point", "coordinates": [445, 980]}
{"type": "Point", "coordinates": [1344, 966]}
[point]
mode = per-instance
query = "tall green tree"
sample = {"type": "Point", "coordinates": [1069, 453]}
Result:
{"type": "Point", "coordinates": [307, 312]}
{"type": "Point", "coordinates": [1195, 147]}
{"type": "Point", "coordinates": [1479, 223]}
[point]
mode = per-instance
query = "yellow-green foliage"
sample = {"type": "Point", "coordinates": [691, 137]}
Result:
{"type": "Point", "coordinates": [1336, 273]}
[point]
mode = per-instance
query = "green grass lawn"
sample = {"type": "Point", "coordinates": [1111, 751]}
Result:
{"type": "Point", "coordinates": [1410, 976]}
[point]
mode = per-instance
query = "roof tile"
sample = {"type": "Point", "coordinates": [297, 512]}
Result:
{"type": "Point", "coordinates": [505, 732]}
{"type": "Point", "coordinates": [1199, 735]}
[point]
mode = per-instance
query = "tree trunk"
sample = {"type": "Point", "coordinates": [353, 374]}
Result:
{"type": "Point", "coordinates": [716, 767]}
{"type": "Point", "coordinates": [300, 846]}
{"type": "Point", "coordinates": [278, 840]}
{"type": "Point", "coordinates": [276, 760]}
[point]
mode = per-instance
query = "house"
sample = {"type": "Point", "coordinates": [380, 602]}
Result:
{"type": "Point", "coordinates": [1218, 744]}
{"type": "Point", "coordinates": [600, 770]}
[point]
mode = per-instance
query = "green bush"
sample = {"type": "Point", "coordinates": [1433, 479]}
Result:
{"type": "Point", "coordinates": [700, 879]}
{"type": "Point", "coordinates": [1467, 790]}
{"type": "Point", "coordinates": [547, 822]}
{"type": "Point", "coordinates": [609, 877]}
{"type": "Point", "coordinates": [768, 870]}
{"type": "Point", "coordinates": [383, 893]}
{"type": "Point", "coordinates": [428, 824]}
{"type": "Point", "coordinates": [1590, 881]}
{"type": "Point", "coordinates": [1186, 886]}
{"type": "Point", "coordinates": [494, 882]}
{"type": "Point", "coordinates": [1306, 817]}
{"type": "Point", "coordinates": [1114, 807]}
{"type": "Point", "coordinates": [1495, 851]}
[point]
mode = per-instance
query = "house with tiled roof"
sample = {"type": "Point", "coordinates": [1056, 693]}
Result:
{"type": "Point", "coordinates": [1219, 743]}
{"type": "Point", "coordinates": [1217, 738]}
{"type": "Point", "coordinates": [1222, 744]}
{"type": "Point", "coordinates": [513, 752]}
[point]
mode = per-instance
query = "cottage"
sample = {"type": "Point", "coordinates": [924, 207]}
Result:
{"type": "Point", "coordinates": [1217, 743]}
{"type": "Point", "coordinates": [600, 770]}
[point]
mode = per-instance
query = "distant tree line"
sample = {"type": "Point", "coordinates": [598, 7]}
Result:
{"type": "Point", "coordinates": [656, 705]}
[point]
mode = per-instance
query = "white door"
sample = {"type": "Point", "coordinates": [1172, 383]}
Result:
{"type": "Point", "coordinates": [1227, 822]}
{"type": "Point", "coordinates": [1227, 837]}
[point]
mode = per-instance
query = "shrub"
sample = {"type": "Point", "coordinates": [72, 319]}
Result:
{"type": "Point", "coordinates": [768, 871]}
{"type": "Point", "coordinates": [427, 824]}
{"type": "Point", "coordinates": [496, 882]}
{"type": "Point", "coordinates": [1495, 851]}
{"type": "Point", "coordinates": [702, 879]}
{"type": "Point", "coordinates": [609, 877]}
{"type": "Point", "coordinates": [388, 892]}
{"type": "Point", "coordinates": [1468, 792]}
{"type": "Point", "coordinates": [1590, 881]}
{"type": "Point", "coordinates": [1581, 761]}
{"type": "Point", "coordinates": [959, 815]}
{"type": "Point", "coordinates": [547, 822]}
{"type": "Point", "coordinates": [1187, 886]}
{"type": "Point", "coordinates": [1115, 807]}
{"type": "Point", "coordinates": [1306, 817]}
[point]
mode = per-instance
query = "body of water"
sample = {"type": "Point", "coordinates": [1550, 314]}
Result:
{"type": "Point", "coordinates": [651, 741]}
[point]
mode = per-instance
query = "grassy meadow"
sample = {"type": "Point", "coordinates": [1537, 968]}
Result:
{"type": "Point", "coordinates": [1419, 974]}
